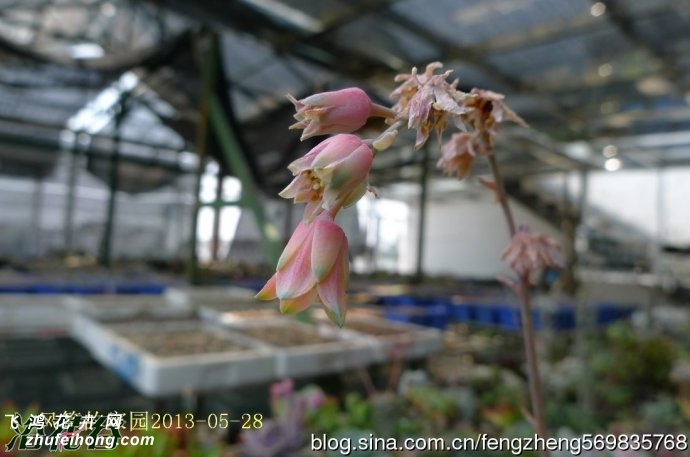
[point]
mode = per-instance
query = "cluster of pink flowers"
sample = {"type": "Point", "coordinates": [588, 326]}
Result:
{"type": "Point", "coordinates": [314, 267]}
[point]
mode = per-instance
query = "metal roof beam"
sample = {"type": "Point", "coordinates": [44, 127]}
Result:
{"type": "Point", "coordinates": [562, 30]}
{"type": "Point", "coordinates": [626, 26]}
{"type": "Point", "coordinates": [313, 48]}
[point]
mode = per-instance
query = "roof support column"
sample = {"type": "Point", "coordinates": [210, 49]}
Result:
{"type": "Point", "coordinates": [208, 49]}
{"type": "Point", "coordinates": [75, 155]}
{"type": "Point", "coordinates": [35, 244]}
{"type": "Point", "coordinates": [105, 252]}
{"type": "Point", "coordinates": [217, 212]}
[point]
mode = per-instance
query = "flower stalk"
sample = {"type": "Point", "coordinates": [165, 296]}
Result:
{"type": "Point", "coordinates": [382, 111]}
{"type": "Point", "coordinates": [521, 289]}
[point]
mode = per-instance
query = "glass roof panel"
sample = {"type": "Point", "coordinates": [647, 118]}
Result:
{"type": "Point", "coordinates": [381, 39]}
{"type": "Point", "coordinates": [476, 21]}
{"type": "Point", "coordinates": [470, 76]}
{"type": "Point", "coordinates": [104, 34]}
{"type": "Point", "coordinates": [641, 8]}
{"type": "Point", "coordinates": [592, 57]}
{"type": "Point", "coordinates": [667, 31]}
{"type": "Point", "coordinates": [322, 11]}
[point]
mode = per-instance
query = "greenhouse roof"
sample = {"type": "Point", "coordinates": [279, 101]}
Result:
{"type": "Point", "coordinates": [584, 74]}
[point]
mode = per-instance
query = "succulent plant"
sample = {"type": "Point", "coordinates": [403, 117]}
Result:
{"type": "Point", "coordinates": [276, 438]}
{"type": "Point", "coordinates": [386, 407]}
{"type": "Point", "coordinates": [284, 435]}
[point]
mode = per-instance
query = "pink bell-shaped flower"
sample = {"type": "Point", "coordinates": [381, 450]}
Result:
{"type": "Point", "coordinates": [314, 264]}
{"type": "Point", "coordinates": [334, 174]}
{"type": "Point", "coordinates": [340, 111]}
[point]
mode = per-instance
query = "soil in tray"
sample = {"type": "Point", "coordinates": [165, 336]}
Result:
{"type": "Point", "coordinates": [374, 329]}
{"type": "Point", "coordinates": [226, 306]}
{"type": "Point", "coordinates": [249, 315]}
{"type": "Point", "coordinates": [282, 336]}
{"type": "Point", "coordinates": [171, 344]}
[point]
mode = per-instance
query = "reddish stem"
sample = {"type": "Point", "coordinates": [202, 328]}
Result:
{"type": "Point", "coordinates": [522, 291]}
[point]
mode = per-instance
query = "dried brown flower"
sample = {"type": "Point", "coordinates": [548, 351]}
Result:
{"type": "Point", "coordinates": [458, 154]}
{"type": "Point", "coordinates": [486, 110]}
{"type": "Point", "coordinates": [530, 252]}
{"type": "Point", "coordinates": [427, 100]}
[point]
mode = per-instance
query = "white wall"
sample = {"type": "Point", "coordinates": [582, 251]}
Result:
{"type": "Point", "coordinates": [466, 236]}
{"type": "Point", "coordinates": [632, 197]}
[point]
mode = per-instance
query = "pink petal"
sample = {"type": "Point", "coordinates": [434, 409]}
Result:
{"type": "Point", "coordinates": [298, 104]}
{"type": "Point", "coordinates": [342, 97]}
{"type": "Point", "coordinates": [338, 148]}
{"type": "Point", "coordinates": [352, 170]}
{"type": "Point", "coordinates": [298, 125]}
{"type": "Point", "coordinates": [420, 106]}
{"type": "Point", "coordinates": [298, 304]}
{"type": "Point", "coordinates": [345, 177]}
{"type": "Point", "coordinates": [299, 189]}
{"type": "Point", "coordinates": [332, 289]}
{"type": "Point", "coordinates": [317, 113]}
{"type": "Point", "coordinates": [356, 194]}
{"type": "Point", "coordinates": [312, 210]}
{"type": "Point", "coordinates": [422, 136]}
{"type": "Point", "coordinates": [446, 102]}
{"type": "Point", "coordinates": [297, 239]}
{"type": "Point", "coordinates": [340, 111]}
{"type": "Point", "coordinates": [331, 112]}
{"type": "Point", "coordinates": [269, 290]}
{"type": "Point", "coordinates": [294, 275]}
{"type": "Point", "coordinates": [314, 128]}
{"type": "Point", "coordinates": [305, 162]}
{"type": "Point", "coordinates": [326, 245]}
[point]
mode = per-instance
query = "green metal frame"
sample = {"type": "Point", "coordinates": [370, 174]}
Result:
{"type": "Point", "coordinates": [208, 46]}
{"type": "Point", "coordinates": [232, 153]}
{"type": "Point", "coordinates": [223, 203]}
{"type": "Point", "coordinates": [105, 251]}
{"type": "Point", "coordinates": [213, 118]}
{"type": "Point", "coordinates": [75, 154]}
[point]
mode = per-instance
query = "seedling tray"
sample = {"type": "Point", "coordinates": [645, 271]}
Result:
{"type": "Point", "coordinates": [392, 340]}
{"type": "Point", "coordinates": [237, 309]}
{"type": "Point", "coordinates": [305, 350]}
{"type": "Point", "coordinates": [121, 307]}
{"type": "Point", "coordinates": [166, 357]}
{"type": "Point", "coordinates": [195, 297]}
{"type": "Point", "coordinates": [33, 315]}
